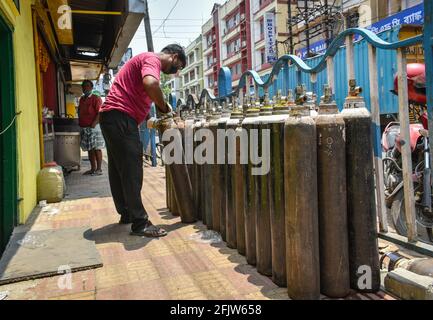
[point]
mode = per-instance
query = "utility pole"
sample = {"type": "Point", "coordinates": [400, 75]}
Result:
{"type": "Point", "coordinates": [148, 28]}
{"type": "Point", "coordinates": [290, 27]}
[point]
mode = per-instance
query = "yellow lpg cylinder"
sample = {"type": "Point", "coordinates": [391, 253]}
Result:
{"type": "Point", "coordinates": [51, 184]}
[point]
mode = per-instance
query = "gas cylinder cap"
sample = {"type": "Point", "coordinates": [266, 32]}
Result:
{"type": "Point", "coordinates": [327, 103]}
{"type": "Point", "coordinates": [354, 99]}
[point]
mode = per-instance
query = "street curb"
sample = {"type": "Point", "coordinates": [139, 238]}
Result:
{"type": "Point", "coordinates": [408, 285]}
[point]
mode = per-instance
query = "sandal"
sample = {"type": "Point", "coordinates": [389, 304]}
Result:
{"type": "Point", "coordinates": [150, 231]}
{"type": "Point", "coordinates": [97, 173]}
{"type": "Point", "coordinates": [88, 173]}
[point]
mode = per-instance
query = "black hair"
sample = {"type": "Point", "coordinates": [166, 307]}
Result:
{"type": "Point", "coordinates": [87, 82]}
{"type": "Point", "coordinates": [176, 49]}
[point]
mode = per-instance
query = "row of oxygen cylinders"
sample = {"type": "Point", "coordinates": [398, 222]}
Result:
{"type": "Point", "coordinates": [310, 223]}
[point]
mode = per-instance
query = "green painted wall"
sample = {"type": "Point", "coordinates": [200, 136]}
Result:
{"type": "Point", "coordinates": [8, 151]}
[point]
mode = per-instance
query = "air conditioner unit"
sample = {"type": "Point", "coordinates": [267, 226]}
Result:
{"type": "Point", "coordinates": [244, 44]}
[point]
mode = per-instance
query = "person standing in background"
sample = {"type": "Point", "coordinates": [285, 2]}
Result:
{"type": "Point", "coordinates": [92, 140]}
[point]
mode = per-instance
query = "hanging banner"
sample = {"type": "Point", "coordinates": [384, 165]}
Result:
{"type": "Point", "coordinates": [270, 38]}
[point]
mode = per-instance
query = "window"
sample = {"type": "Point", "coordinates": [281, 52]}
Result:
{"type": "Point", "coordinates": [233, 21]}
{"type": "Point", "coordinates": [191, 58]}
{"type": "Point", "coordinates": [236, 69]}
{"type": "Point", "coordinates": [262, 28]}
{"type": "Point", "coordinates": [233, 47]}
{"type": "Point", "coordinates": [209, 61]}
{"type": "Point", "coordinates": [209, 40]}
{"type": "Point", "coordinates": [262, 57]}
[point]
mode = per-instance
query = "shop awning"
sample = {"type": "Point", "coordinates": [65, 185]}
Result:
{"type": "Point", "coordinates": [101, 33]}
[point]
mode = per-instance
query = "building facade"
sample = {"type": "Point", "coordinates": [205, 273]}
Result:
{"type": "Point", "coordinates": [261, 12]}
{"type": "Point", "coordinates": [191, 78]}
{"type": "Point", "coordinates": [243, 35]}
{"type": "Point", "coordinates": [19, 141]}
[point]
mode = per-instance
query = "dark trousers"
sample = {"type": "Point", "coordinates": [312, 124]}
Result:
{"type": "Point", "coordinates": [125, 165]}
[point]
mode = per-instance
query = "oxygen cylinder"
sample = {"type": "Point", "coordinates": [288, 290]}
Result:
{"type": "Point", "coordinates": [215, 188]}
{"type": "Point", "coordinates": [179, 175]}
{"type": "Point", "coordinates": [252, 201]}
{"type": "Point", "coordinates": [263, 193]}
{"type": "Point", "coordinates": [232, 223]}
{"type": "Point", "coordinates": [175, 211]}
{"type": "Point", "coordinates": [207, 175]}
{"type": "Point", "coordinates": [277, 216]}
{"type": "Point", "coordinates": [221, 171]}
{"type": "Point", "coordinates": [361, 209]}
{"type": "Point", "coordinates": [334, 247]}
{"type": "Point", "coordinates": [301, 205]}
{"type": "Point", "coordinates": [188, 143]}
{"type": "Point", "coordinates": [167, 190]}
{"type": "Point", "coordinates": [196, 170]}
{"type": "Point", "coordinates": [239, 175]}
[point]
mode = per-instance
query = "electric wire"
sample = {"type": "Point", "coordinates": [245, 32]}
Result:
{"type": "Point", "coordinates": [11, 123]}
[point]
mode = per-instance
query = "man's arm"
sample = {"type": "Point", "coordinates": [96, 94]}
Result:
{"type": "Point", "coordinates": [153, 90]}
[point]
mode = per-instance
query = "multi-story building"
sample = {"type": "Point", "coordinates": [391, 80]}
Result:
{"type": "Point", "coordinates": [192, 76]}
{"type": "Point", "coordinates": [243, 35]}
{"type": "Point", "coordinates": [211, 50]}
{"type": "Point", "coordinates": [269, 31]}
{"type": "Point", "coordinates": [175, 86]}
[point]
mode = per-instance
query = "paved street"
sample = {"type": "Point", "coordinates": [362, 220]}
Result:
{"type": "Point", "coordinates": [175, 267]}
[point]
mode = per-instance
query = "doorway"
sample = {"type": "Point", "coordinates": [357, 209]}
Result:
{"type": "Point", "coordinates": [8, 138]}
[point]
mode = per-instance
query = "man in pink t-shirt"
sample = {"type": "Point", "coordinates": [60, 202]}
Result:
{"type": "Point", "coordinates": [128, 104]}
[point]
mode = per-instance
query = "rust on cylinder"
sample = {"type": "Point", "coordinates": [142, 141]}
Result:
{"type": "Point", "coordinates": [301, 207]}
{"type": "Point", "coordinates": [278, 238]}
{"type": "Point", "coordinates": [215, 187]}
{"type": "Point", "coordinates": [263, 193]}
{"type": "Point", "coordinates": [239, 193]}
{"type": "Point", "coordinates": [181, 184]}
{"type": "Point", "coordinates": [252, 201]}
{"type": "Point", "coordinates": [334, 247]}
{"type": "Point", "coordinates": [361, 209]}
{"type": "Point", "coordinates": [231, 216]}
{"type": "Point", "coordinates": [221, 173]}
{"type": "Point", "coordinates": [206, 178]}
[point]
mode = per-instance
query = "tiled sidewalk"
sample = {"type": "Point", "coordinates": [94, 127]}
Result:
{"type": "Point", "coordinates": [174, 267]}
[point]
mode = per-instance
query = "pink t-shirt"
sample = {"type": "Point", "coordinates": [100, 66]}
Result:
{"type": "Point", "coordinates": [127, 92]}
